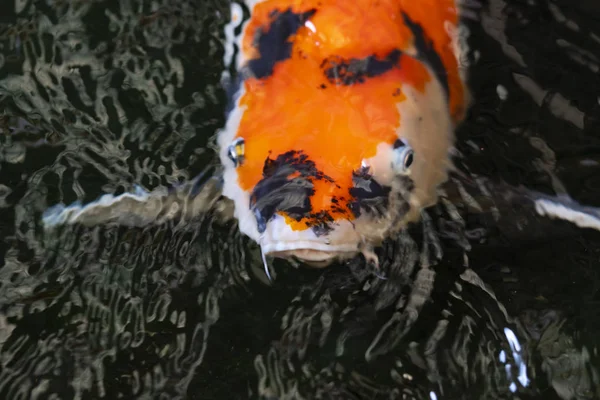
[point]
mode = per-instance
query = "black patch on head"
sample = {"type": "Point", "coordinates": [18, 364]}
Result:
{"type": "Point", "coordinates": [399, 143]}
{"type": "Point", "coordinates": [278, 192]}
{"type": "Point", "coordinates": [321, 223]}
{"type": "Point", "coordinates": [340, 71]}
{"type": "Point", "coordinates": [273, 43]}
{"type": "Point", "coordinates": [427, 53]}
{"type": "Point", "coordinates": [367, 194]}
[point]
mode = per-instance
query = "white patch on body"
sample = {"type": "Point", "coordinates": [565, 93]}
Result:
{"type": "Point", "coordinates": [380, 164]}
{"type": "Point", "coordinates": [427, 126]}
{"type": "Point", "coordinates": [280, 237]}
{"type": "Point", "coordinates": [459, 36]}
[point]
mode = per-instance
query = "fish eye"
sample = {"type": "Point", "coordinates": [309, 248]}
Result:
{"type": "Point", "coordinates": [408, 159]}
{"type": "Point", "coordinates": [236, 151]}
{"type": "Point", "coordinates": [405, 157]}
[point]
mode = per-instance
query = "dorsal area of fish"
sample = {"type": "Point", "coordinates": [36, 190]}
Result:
{"type": "Point", "coordinates": [342, 120]}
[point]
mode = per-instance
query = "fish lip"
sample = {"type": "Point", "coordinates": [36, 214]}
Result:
{"type": "Point", "coordinates": [314, 254]}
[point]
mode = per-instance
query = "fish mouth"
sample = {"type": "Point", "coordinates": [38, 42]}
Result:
{"type": "Point", "coordinates": [316, 255]}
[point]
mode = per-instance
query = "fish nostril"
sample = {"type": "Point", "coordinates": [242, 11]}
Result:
{"type": "Point", "coordinates": [399, 143]}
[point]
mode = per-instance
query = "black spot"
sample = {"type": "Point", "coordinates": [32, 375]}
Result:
{"type": "Point", "coordinates": [427, 53]}
{"type": "Point", "coordinates": [277, 192]}
{"type": "Point", "coordinates": [322, 223]}
{"type": "Point", "coordinates": [338, 205]}
{"type": "Point", "coordinates": [368, 195]}
{"type": "Point", "coordinates": [399, 143]}
{"type": "Point", "coordinates": [273, 42]}
{"type": "Point", "coordinates": [356, 70]}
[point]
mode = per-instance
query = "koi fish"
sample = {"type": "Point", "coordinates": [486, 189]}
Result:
{"type": "Point", "coordinates": [342, 123]}
{"type": "Point", "coordinates": [339, 133]}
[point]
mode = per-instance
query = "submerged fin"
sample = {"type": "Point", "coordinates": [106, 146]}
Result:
{"type": "Point", "coordinates": [140, 207]}
{"type": "Point", "coordinates": [497, 198]}
{"type": "Point", "coordinates": [567, 209]}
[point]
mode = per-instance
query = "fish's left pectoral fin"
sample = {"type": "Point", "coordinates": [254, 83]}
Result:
{"type": "Point", "coordinates": [567, 209]}
{"type": "Point", "coordinates": [517, 213]}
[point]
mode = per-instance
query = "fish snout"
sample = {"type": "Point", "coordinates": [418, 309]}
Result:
{"type": "Point", "coordinates": [314, 258]}
{"type": "Point", "coordinates": [313, 248]}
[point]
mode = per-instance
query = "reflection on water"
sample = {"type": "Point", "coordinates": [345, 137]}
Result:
{"type": "Point", "coordinates": [106, 97]}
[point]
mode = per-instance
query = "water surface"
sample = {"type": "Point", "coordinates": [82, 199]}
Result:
{"type": "Point", "coordinates": [103, 97]}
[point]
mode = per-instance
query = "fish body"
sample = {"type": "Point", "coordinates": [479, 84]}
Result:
{"type": "Point", "coordinates": [342, 123]}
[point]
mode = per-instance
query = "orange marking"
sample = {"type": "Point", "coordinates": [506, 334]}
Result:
{"type": "Point", "coordinates": [293, 175]}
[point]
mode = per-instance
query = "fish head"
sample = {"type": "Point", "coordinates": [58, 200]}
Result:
{"type": "Point", "coordinates": [338, 137]}
{"type": "Point", "coordinates": [332, 183]}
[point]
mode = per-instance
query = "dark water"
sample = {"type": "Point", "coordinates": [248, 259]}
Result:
{"type": "Point", "coordinates": [101, 96]}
